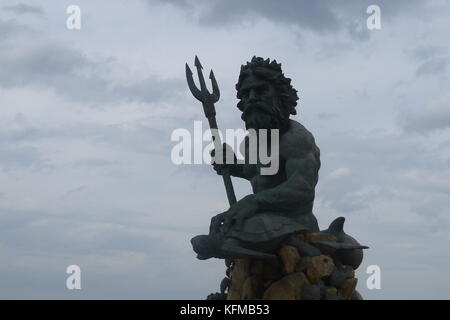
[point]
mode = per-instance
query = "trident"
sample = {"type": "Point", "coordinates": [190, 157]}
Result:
{"type": "Point", "coordinates": [208, 100]}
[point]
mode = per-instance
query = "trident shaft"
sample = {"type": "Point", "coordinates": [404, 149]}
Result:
{"type": "Point", "coordinates": [208, 100]}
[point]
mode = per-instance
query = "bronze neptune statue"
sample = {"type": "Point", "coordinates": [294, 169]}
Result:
{"type": "Point", "coordinates": [281, 204]}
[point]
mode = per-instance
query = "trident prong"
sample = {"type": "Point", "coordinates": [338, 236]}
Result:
{"type": "Point", "coordinates": [196, 93]}
{"type": "Point", "coordinates": [202, 94]}
{"type": "Point", "coordinates": [216, 92]}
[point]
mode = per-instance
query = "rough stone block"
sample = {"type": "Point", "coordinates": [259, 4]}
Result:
{"type": "Point", "coordinates": [252, 288]}
{"type": "Point", "coordinates": [290, 257]}
{"type": "Point", "coordinates": [288, 288]}
{"type": "Point", "coordinates": [349, 288]}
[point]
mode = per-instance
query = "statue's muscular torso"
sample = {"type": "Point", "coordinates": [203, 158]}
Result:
{"type": "Point", "coordinates": [294, 183]}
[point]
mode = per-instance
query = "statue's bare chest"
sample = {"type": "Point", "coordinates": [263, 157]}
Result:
{"type": "Point", "coordinates": [262, 182]}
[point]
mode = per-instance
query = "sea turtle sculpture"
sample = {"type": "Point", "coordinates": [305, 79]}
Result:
{"type": "Point", "coordinates": [261, 236]}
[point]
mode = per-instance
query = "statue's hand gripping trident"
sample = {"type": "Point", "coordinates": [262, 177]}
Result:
{"type": "Point", "coordinates": [208, 100]}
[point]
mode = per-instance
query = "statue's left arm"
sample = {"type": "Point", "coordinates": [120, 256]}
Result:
{"type": "Point", "coordinates": [301, 169]}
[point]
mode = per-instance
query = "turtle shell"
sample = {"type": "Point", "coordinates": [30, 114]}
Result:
{"type": "Point", "coordinates": [266, 229]}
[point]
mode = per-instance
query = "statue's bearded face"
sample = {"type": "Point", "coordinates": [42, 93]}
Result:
{"type": "Point", "coordinates": [260, 103]}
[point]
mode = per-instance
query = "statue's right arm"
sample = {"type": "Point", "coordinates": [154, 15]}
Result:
{"type": "Point", "coordinates": [235, 169]}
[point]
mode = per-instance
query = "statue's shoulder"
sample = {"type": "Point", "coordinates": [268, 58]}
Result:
{"type": "Point", "coordinates": [297, 141]}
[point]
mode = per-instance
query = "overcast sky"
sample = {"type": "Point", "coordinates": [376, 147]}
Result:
{"type": "Point", "coordinates": [86, 117]}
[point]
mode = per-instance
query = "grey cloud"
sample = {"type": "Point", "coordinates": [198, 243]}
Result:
{"type": "Point", "coordinates": [19, 157]}
{"type": "Point", "coordinates": [322, 16]}
{"type": "Point", "coordinates": [348, 203]}
{"type": "Point", "coordinates": [95, 163]}
{"type": "Point", "coordinates": [433, 59]}
{"type": "Point", "coordinates": [12, 219]}
{"type": "Point", "coordinates": [358, 30]}
{"type": "Point", "coordinates": [72, 74]}
{"type": "Point", "coordinates": [307, 14]}
{"type": "Point", "coordinates": [429, 119]}
{"type": "Point", "coordinates": [432, 67]}
{"type": "Point", "coordinates": [327, 115]}
{"type": "Point", "coordinates": [181, 3]}
{"type": "Point", "coordinates": [424, 52]}
{"type": "Point", "coordinates": [386, 151]}
{"type": "Point", "coordinates": [30, 134]}
{"type": "Point", "coordinates": [23, 8]}
{"type": "Point", "coordinates": [10, 29]}
{"type": "Point", "coordinates": [427, 181]}
{"type": "Point", "coordinates": [29, 64]}
{"type": "Point", "coordinates": [38, 230]}
{"type": "Point", "coordinates": [330, 50]}
{"type": "Point", "coordinates": [137, 138]}
{"type": "Point", "coordinates": [20, 147]}
{"type": "Point", "coordinates": [381, 168]}
{"type": "Point", "coordinates": [73, 191]}
{"type": "Point", "coordinates": [151, 89]}
{"type": "Point", "coordinates": [16, 152]}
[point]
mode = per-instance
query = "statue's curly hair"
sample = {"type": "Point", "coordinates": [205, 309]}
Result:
{"type": "Point", "coordinates": [271, 71]}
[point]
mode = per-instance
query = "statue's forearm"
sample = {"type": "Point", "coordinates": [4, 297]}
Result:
{"type": "Point", "coordinates": [287, 196]}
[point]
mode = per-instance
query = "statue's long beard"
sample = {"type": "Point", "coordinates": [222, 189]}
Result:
{"type": "Point", "coordinates": [260, 117]}
{"type": "Point", "coordinates": [259, 120]}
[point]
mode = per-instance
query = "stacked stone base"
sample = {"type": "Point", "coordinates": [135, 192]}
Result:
{"type": "Point", "coordinates": [292, 276]}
